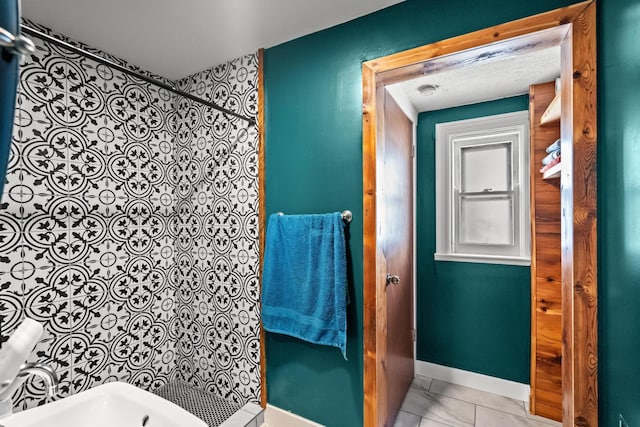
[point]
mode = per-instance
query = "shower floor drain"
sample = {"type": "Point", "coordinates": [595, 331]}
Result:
{"type": "Point", "coordinates": [204, 405]}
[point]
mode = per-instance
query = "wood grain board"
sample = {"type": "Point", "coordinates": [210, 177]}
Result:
{"type": "Point", "coordinates": [579, 202]}
{"type": "Point", "coordinates": [372, 254]}
{"type": "Point", "coordinates": [546, 266]}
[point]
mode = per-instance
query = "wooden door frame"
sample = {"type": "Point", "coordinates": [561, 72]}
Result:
{"type": "Point", "coordinates": [578, 181]}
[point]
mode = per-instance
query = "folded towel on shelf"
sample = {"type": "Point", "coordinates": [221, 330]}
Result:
{"type": "Point", "coordinates": [304, 281]}
{"type": "Point", "coordinates": [551, 164]}
{"type": "Point", "coordinates": [550, 157]}
{"type": "Point", "coordinates": [554, 147]}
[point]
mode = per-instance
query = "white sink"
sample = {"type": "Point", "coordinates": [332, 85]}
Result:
{"type": "Point", "coordinates": [109, 405]}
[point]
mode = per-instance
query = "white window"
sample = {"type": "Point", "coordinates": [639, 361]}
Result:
{"type": "Point", "coordinates": [482, 190]}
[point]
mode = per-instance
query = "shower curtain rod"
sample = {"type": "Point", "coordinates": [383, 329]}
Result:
{"type": "Point", "coordinates": [35, 33]}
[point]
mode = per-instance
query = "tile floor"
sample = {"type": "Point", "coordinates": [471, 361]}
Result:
{"type": "Point", "coordinates": [435, 403]}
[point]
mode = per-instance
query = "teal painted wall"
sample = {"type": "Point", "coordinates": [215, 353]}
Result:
{"type": "Point", "coordinates": [470, 316]}
{"type": "Point", "coordinates": [314, 164]}
{"type": "Point", "coordinates": [619, 210]}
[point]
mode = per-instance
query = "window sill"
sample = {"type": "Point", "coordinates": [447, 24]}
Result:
{"type": "Point", "coordinates": [484, 259]}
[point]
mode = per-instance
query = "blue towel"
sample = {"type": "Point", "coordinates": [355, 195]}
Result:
{"type": "Point", "coordinates": [304, 279]}
{"type": "Point", "coordinates": [554, 147]}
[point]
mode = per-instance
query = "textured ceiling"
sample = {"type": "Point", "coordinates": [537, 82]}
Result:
{"type": "Point", "coordinates": [484, 81]}
{"type": "Point", "coordinates": [484, 73]}
{"type": "Point", "coordinates": [178, 38]}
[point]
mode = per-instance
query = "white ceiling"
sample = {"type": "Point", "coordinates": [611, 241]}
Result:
{"type": "Point", "coordinates": [484, 81]}
{"type": "Point", "coordinates": [176, 38]}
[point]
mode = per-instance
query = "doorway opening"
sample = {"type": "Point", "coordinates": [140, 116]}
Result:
{"type": "Point", "coordinates": [575, 34]}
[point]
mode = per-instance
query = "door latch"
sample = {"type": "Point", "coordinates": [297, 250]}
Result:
{"type": "Point", "coordinates": [392, 279]}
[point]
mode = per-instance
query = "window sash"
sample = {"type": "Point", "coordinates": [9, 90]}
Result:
{"type": "Point", "coordinates": [486, 233]}
{"type": "Point", "coordinates": [502, 158]}
{"type": "Point", "coordinates": [509, 192]}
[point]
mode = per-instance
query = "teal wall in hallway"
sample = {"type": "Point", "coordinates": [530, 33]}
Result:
{"type": "Point", "coordinates": [314, 164]}
{"type": "Point", "coordinates": [619, 210]}
{"type": "Point", "coordinates": [470, 316]}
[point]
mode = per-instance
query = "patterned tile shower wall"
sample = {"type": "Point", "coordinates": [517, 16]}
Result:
{"type": "Point", "coordinates": [87, 224]}
{"type": "Point", "coordinates": [90, 240]}
{"type": "Point", "coordinates": [217, 244]}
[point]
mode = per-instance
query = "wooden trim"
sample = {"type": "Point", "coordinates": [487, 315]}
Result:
{"type": "Point", "coordinates": [533, 270]}
{"type": "Point", "coordinates": [261, 218]}
{"type": "Point", "coordinates": [412, 61]}
{"type": "Point", "coordinates": [369, 245]}
{"type": "Point", "coordinates": [566, 135]}
{"type": "Point", "coordinates": [382, 402]}
{"type": "Point", "coordinates": [579, 201]}
{"type": "Point", "coordinates": [580, 376]}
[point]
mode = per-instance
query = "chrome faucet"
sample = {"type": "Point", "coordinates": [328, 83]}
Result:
{"type": "Point", "coordinates": [8, 387]}
{"type": "Point", "coordinates": [43, 371]}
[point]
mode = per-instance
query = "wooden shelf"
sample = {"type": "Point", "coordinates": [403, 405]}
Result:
{"type": "Point", "coordinates": [552, 113]}
{"type": "Point", "coordinates": [552, 172]}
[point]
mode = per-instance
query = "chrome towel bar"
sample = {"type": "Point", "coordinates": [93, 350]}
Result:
{"type": "Point", "coordinates": [347, 216]}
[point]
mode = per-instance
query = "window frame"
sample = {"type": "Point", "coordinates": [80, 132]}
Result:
{"type": "Point", "coordinates": [451, 138]}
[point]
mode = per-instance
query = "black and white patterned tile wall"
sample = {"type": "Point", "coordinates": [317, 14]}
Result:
{"type": "Point", "coordinates": [217, 245]}
{"type": "Point", "coordinates": [116, 194]}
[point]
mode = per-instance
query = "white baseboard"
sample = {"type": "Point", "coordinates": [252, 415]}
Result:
{"type": "Point", "coordinates": [494, 385]}
{"type": "Point", "coordinates": [276, 417]}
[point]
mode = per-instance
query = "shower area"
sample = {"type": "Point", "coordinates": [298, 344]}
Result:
{"type": "Point", "coordinates": [129, 226]}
